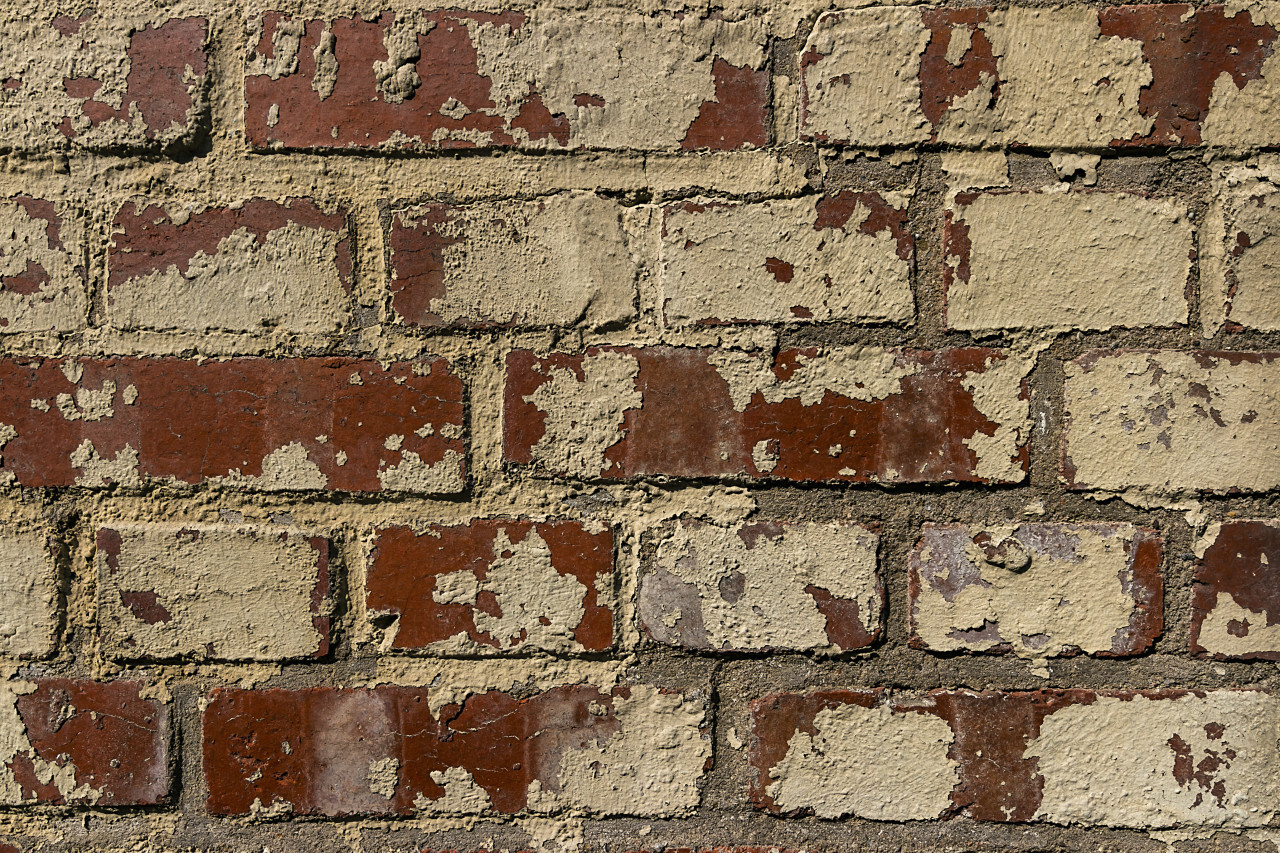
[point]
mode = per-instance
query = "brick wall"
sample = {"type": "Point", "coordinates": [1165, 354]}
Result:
{"type": "Point", "coordinates": [628, 427]}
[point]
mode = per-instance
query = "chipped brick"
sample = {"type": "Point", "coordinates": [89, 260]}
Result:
{"type": "Point", "coordinates": [1235, 603]}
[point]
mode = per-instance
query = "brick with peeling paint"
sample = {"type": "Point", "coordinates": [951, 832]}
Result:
{"type": "Point", "coordinates": [88, 743]}
{"type": "Point", "coordinates": [1235, 606]}
{"type": "Point", "coordinates": [211, 591]}
{"type": "Point", "coordinates": [1037, 590]}
{"type": "Point", "coordinates": [1172, 421]}
{"type": "Point", "coordinates": [43, 285]}
{"type": "Point", "coordinates": [1061, 77]}
{"type": "Point", "coordinates": [547, 79]}
{"type": "Point", "coordinates": [256, 266]}
{"type": "Point", "coordinates": [763, 585]}
{"type": "Point", "coordinates": [1073, 260]}
{"type": "Point", "coordinates": [635, 750]}
{"type": "Point", "coordinates": [28, 593]}
{"type": "Point", "coordinates": [1137, 759]}
{"type": "Point", "coordinates": [1239, 288]}
{"type": "Point", "coordinates": [844, 256]}
{"type": "Point", "coordinates": [853, 414]}
{"type": "Point", "coordinates": [557, 261]}
{"type": "Point", "coordinates": [255, 423]}
{"type": "Point", "coordinates": [492, 586]}
{"type": "Point", "coordinates": [103, 81]}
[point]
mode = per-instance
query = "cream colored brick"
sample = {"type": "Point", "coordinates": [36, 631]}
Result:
{"type": "Point", "coordinates": [28, 595]}
{"type": "Point", "coordinates": [1240, 266]}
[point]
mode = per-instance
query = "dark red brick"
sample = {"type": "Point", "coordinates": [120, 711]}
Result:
{"type": "Point", "coordinates": [1236, 597]}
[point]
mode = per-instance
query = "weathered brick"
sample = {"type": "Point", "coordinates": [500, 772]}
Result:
{"type": "Point", "coordinates": [493, 586]}
{"type": "Point", "coordinates": [844, 256]}
{"type": "Point", "coordinates": [854, 414]}
{"type": "Point", "coordinates": [1141, 759]}
{"type": "Point", "coordinates": [102, 81]}
{"type": "Point", "coordinates": [1071, 76]}
{"type": "Point", "coordinates": [28, 593]}
{"type": "Point", "coordinates": [1239, 288]}
{"type": "Point", "coordinates": [763, 585]}
{"type": "Point", "coordinates": [389, 750]}
{"type": "Point", "coordinates": [71, 742]}
{"type": "Point", "coordinates": [1038, 590]}
{"type": "Point", "coordinates": [1171, 421]}
{"type": "Point", "coordinates": [43, 286]}
{"type": "Point", "coordinates": [1081, 260]}
{"type": "Point", "coordinates": [560, 260]}
{"type": "Point", "coordinates": [1235, 603]}
{"type": "Point", "coordinates": [546, 79]}
{"type": "Point", "coordinates": [212, 591]}
{"type": "Point", "coordinates": [256, 266]}
{"type": "Point", "coordinates": [268, 424]}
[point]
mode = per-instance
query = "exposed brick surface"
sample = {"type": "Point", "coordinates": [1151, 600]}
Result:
{"type": "Point", "coordinates": [389, 750]}
{"type": "Point", "coordinates": [85, 743]}
{"type": "Point", "coordinates": [494, 586]}
{"type": "Point", "coordinates": [1234, 605]}
{"type": "Point", "coordinates": [848, 414]}
{"type": "Point", "coordinates": [258, 423]}
{"type": "Point", "coordinates": [550, 79]}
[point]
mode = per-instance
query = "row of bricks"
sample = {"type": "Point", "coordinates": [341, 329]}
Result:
{"type": "Point", "coordinates": [1134, 418]}
{"type": "Point", "coordinates": [1039, 590]}
{"type": "Point", "coordinates": [1114, 260]}
{"type": "Point", "coordinates": [1159, 758]}
{"type": "Point", "coordinates": [1074, 76]}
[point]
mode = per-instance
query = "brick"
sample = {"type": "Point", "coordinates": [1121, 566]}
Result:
{"type": "Point", "coordinates": [1037, 590]}
{"type": "Point", "coordinates": [265, 424]}
{"type": "Point", "coordinates": [1136, 759]}
{"type": "Point", "coordinates": [557, 261]}
{"type": "Point", "coordinates": [28, 594]}
{"type": "Point", "coordinates": [1063, 77]}
{"type": "Point", "coordinates": [389, 750]}
{"type": "Point", "coordinates": [73, 742]}
{"type": "Point", "coordinates": [546, 80]}
{"type": "Point", "coordinates": [763, 585]}
{"type": "Point", "coordinates": [1172, 421]}
{"type": "Point", "coordinates": [852, 414]}
{"type": "Point", "coordinates": [1075, 260]}
{"type": "Point", "coordinates": [212, 591]}
{"type": "Point", "coordinates": [844, 256]}
{"type": "Point", "coordinates": [493, 585]}
{"type": "Point", "coordinates": [1234, 602]}
{"type": "Point", "coordinates": [104, 82]}
{"type": "Point", "coordinates": [252, 267]}
{"type": "Point", "coordinates": [43, 286]}
{"type": "Point", "coordinates": [1239, 288]}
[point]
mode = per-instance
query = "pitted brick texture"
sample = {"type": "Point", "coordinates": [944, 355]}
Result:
{"type": "Point", "coordinates": [847, 414]}
{"type": "Point", "coordinates": [254, 423]}
{"type": "Point", "coordinates": [493, 586]}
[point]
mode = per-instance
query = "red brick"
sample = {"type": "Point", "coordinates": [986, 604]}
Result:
{"type": "Point", "coordinates": [494, 586]}
{"type": "Point", "coordinates": [272, 424]}
{"type": "Point", "coordinates": [248, 267]}
{"type": "Point", "coordinates": [549, 79]}
{"type": "Point", "coordinates": [1141, 759]}
{"type": "Point", "coordinates": [384, 751]}
{"type": "Point", "coordinates": [43, 285]}
{"type": "Point", "coordinates": [85, 743]}
{"type": "Point", "coordinates": [105, 82]}
{"type": "Point", "coordinates": [1235, 603]}
{"type": "Point", "coordinates": [859, 415]}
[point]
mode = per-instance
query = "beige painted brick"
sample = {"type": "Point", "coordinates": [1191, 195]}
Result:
{"type": "Point", "coordinates": [1076, 260]}
{"type": "Point", "coordinates": [28, 594]}
{"type": "Point", "coordinates": [556, 261]}
{"type": "Point", "coordinates": [1173, 421]}
{"type": "Point", "coordinates": [1241, 250]}
{"type": "Point", "coordinates": [846, 256]}
{"type": "Point", "coordinates": [42, 265]}
{"type": "Point", "coordinates": [216, 592]}
{"type": "Point", "coordinates": [763, 585]}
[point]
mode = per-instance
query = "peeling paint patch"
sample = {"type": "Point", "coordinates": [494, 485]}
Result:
{"type": "Point", "coordinates": [493, 586]}
{"type": "Point", "coordinates": [763, 585]}
{"type": "Point", "coordinates": [1172, 421]}
{"type": "Point", "coordinates": [558, 261]}
{"type": "Point", "coordinates": [1242, 251]}
{"type": "Point", "coordinates": [891, 415]}
{"type": "Point", "coordinates": [1235, 603]}
{"type": "Point", "coordinates": [846, 256]}
{"type": "Point", "coordinates": [1036, 590]}
{"type": "Point", "coordinates": [43, 284]}
{"type": "Point", "coordinates": [221, 593]}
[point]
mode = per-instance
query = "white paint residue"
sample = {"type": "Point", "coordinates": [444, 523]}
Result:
{"type": "Point", "coordinates": [384, 776]}
{"type": "Point", "coordinates": [61, 302]}
{"type": "Point", "coordinates": [1219, 636]}
{"type": "Point", "coordinates": [411, 474]}
{"type": "Point", "coordinates": [88, 404]}
{"type": "Point", "coordinates": [461, 794]}
{"type": "Point", "coordinates": [859, 373]}
{"type": "Point", "coordinates": [283, 469]}
{"type": "Point", "coordinates": [584, 419]}
{"type": "Point", "coordinates": [994, 396]}
{"type": "Point", "coordinates": [121, 469]}
{"type": "Point", "coordinates": [975, 170]}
